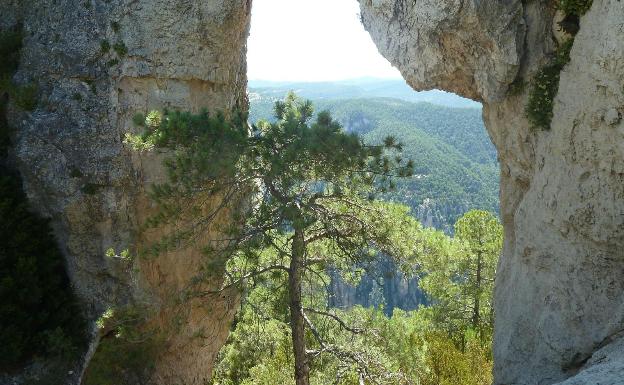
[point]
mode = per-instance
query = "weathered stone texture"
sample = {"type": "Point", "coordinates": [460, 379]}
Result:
{"type": "Point", "coordinates": [472, 48]}
{"type": "Point", "coordinates": [185, 54]}
{"type": "Point", "coordinates": [561, 277]}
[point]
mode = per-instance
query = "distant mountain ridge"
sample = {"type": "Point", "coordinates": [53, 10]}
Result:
{"type": "Point", "coordinates": [358, 88]}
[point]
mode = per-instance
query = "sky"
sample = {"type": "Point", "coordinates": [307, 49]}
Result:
{"type": "Point", "coordinates": [311, 40]}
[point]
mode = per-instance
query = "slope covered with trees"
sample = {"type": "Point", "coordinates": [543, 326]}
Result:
{"type": "Point", "coordinates": [455, 162]}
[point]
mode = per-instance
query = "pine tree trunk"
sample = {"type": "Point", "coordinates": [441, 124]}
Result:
{"type": "Point", "coordinates": [476, 316]}
{"type": "Point", "coordinates": [297, 322]}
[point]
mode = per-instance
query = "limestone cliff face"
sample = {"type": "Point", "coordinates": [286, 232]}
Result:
{"type": "Point", "coordinates": [559, 301]}
{"type": "Point", "coordinates": [96, 64]}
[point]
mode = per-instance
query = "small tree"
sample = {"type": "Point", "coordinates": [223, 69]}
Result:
{"type": "Point", "coordinates": [300, 195]}
{"type": "Point", "coordinates": [460, 273]}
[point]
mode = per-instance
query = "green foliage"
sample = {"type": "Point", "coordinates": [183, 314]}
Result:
{"type": "Point", "coordinates": [217, 155]}
{"type": "Point", "coordinates": [91, 84]}
{"type": "Point", "coordinates": [39, 314]}
{"type": "Point", "coordinates": [539, 109]}
{"type": "Point", "coordinates": [120, 48]}
{"type": "Point", "coordinates": [115, 26]}
{"type": "Point", "coordinates": [259, 347]}
{"type": "Point", "coordinates": [574, 7]}
{"type": "Point", "coordinates": [309, 187]}
{"type": "Point", "coordinates": [124, 254]}
{"type": "Point", "coordinates": [459, 274]}
{"type": "Point", "coordinates": [126, 351]}
{"type": "Point", "coordinates": [105, 46]}
{"type": "Point", "coordinates": [429, 346]}
{"type": "Point", "coordinates": [448, 365]}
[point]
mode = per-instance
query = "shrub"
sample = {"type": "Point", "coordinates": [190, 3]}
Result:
{"type": "Point", "coordinates": [112, 62]}
{"type": "Point", "coordinates": [574, 7]}
{"type": "Point", "coordinates": [127, 349]}
{"type": "Point", "coordinates": [105, 46]}
{"type": "Point", "coordinates": [120, 48]}
{"type": "Point", "coordinates": [539, 109]}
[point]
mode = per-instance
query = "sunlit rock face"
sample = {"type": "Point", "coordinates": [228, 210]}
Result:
{"type": "Point", "coordinates": [559, 292]}
{"type": "Point", "coordinates": [445, 44]}
{"type": "Point", "coordinates": [96, 64]}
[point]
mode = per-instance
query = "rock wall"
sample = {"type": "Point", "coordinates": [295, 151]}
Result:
{"type": "Point", "coordinates": [97, 63]}
{"type": "Point", "coordinates": [559, 293]}
{"type": "Point", "coordinates": [559, 301]}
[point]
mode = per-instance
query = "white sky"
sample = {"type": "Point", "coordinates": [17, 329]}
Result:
{"type": "Point", "coordinates": [311, 40]}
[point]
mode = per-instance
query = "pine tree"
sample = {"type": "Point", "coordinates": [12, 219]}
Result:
{"type": "Point", "coordinates": [459, 274]}
{"type": "Point", "coordinates": [300, 195]}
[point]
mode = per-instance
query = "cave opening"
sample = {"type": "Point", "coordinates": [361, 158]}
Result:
{"type": "Point", "coordinates": [321, 51]}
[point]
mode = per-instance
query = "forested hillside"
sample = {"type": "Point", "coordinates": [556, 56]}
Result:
{"type": "Point", "coordinates": [455, 162]}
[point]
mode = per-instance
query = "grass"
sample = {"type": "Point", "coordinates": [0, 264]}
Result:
{"type": "Point", "coordinates": [105, 46]}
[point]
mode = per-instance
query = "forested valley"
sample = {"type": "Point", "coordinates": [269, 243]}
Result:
{"type": "Point", "coordinates": [423, 318]}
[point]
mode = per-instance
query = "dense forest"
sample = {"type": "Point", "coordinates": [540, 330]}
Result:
{"type": "Point", "coordinates": [447, 342]}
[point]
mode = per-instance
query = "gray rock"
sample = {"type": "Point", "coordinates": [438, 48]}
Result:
{"type": "Point", "coordinates": [605, 367]}
{"type": "Point", "coordinates": [612, 117]}
{"type": "Point", "coordinates": [561, 277]}
{"type": "Point", "coordinates": [76, 170]}
{"type": "Point", "coordinates": [472, 48]}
